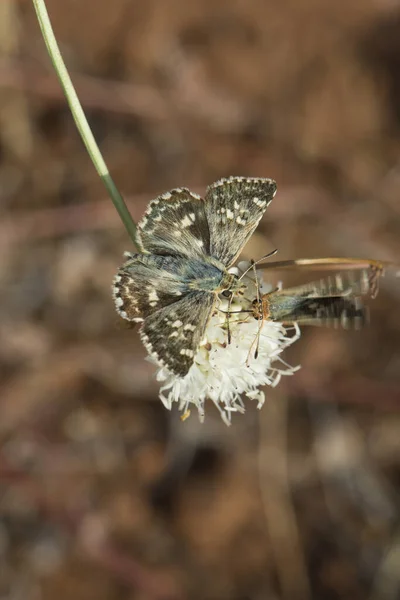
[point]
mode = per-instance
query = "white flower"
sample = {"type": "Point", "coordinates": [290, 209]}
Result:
{"type": "Point", "coordinates": [224, 372]}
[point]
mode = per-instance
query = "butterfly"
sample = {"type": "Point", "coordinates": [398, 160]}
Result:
{"type": "Point", "coordinates": [334, 301]}
{"type": "Point", "coordinates": [188, 245]}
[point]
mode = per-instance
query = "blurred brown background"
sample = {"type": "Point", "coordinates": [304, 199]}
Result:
{"type": "Point", "coordinates": [104, 494]}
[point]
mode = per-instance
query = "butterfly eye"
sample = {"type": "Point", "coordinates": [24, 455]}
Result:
{"type": "Point", "coordinates": [226, 293]}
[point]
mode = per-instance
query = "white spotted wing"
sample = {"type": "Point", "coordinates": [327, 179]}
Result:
{"type": "Point", "coordinates": [173, 334]}
{"type": "Point", "coordinates": [175, 223]}
{"type": "Point", "coordinates": [234, 207]}
{"type": "Point", "coordinates": [146, 283]}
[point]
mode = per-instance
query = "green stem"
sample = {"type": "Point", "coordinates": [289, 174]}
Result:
{"type": "Point", "coordinates": [81, 122]}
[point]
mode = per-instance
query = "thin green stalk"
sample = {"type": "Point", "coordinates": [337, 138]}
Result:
{"type": "Point", "coordinates": [80, 120]}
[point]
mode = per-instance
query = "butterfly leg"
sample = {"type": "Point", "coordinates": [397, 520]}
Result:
{"type": "Point", "coordinates": [256, 341]}
{"type": "Point", "coordinates": [227, 318]}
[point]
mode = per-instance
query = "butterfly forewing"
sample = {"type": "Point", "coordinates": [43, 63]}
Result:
{"type": "Point", "coordinates": [173, 334]}
{"type": "Point", "coordinates": [356, 283]}
{"type": "Point", "coordinates": [176, 224]}
{"type": "Point", "coordinates": [234, 207]}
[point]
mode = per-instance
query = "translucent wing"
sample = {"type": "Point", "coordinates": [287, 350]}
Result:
{"type": "Point", "coordinates": [234, 207]}
{"type": "Point", "coordinates": [356, 283]}
{"type": "Point", "coordinates": [333, 301]}
{"type": "Point", "coordinates": [175, 224]}
{"type": "Point", "coordinates": [173, 334]}
{"type": "Point", "coordinates": [374, 268]}
{"type": "Point", "coordinates": [146, 283]}
{"type": "Point", "coordinates": [348, 313]}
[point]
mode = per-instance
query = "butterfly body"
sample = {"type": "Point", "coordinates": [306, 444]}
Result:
{"type": "Point", "coordinates": [188, 246]}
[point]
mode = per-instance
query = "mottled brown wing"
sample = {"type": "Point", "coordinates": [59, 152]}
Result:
{"type": "Point", "coordinates": [234, 207]}
{"type": "Point", "coordinates": [173, 334]}
{"type": "Point", "coordinates": [175, 224]}
{"type": "Point", "coordinates": [146, 283]}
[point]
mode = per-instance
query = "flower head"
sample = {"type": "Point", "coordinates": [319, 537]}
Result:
{"type": "Point", "coordinates": [229, 367]}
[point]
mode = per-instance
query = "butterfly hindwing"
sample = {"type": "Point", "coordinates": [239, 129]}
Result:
{"type": "Point", "coordinates": [175, 223]}
{"type": "Point", "coordinates": [172, 335]}
{"type": "Point", "coordinates": [347, 313]}
{"type": "Point", "coordinates": [234, 207]}
{"type": "Point", "coordinates": [146, 283]}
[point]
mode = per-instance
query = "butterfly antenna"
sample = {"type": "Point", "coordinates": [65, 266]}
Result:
{"type": "Point", "coordinates": [258, 261]}
{"type": "Point", "coordinates": [228, 314]}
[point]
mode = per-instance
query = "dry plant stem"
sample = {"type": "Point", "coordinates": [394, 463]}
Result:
{"type": "Point", "coordinates": [81, 121]}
